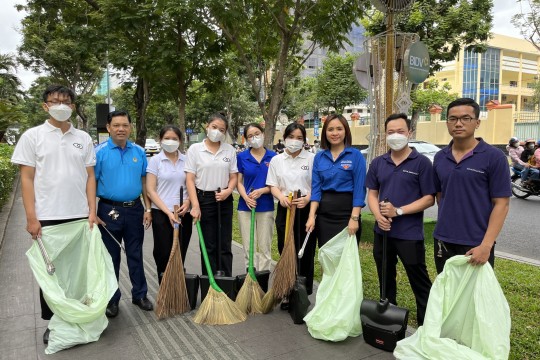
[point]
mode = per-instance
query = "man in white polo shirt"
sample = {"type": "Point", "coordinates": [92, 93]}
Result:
{"type": "Point", "coordinates": [57, 171]}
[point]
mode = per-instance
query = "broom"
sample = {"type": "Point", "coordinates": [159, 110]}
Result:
{"type": "Point", "coordinates": [285, 270]}
{"type": "Point", "coordinates": [249, 298]}
{"type": "Point", "coordinates": [216, 308]}
{"type": "Point", "coordinates": [172, 298]}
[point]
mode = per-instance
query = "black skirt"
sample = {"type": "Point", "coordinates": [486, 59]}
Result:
{"type": "Point", "coordinates": [333, 216]}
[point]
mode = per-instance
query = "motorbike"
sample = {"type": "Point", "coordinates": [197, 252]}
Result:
{"type": "Point", "coordinates": [520, 190]}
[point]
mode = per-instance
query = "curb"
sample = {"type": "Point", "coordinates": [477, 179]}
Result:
{"type": "Point", "coordinates": [5, 212]}
{"type": "Point", "coordinates": [517, 258]}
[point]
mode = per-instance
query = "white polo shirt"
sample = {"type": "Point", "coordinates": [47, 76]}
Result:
{"type": "Point", "coordinates": [211, 170]}
{"type": "Point", "coordinates": [60, 162]}
{"type": "Point", "coordinates": [290, 174]}
{"type": "Point", "coordinates": [170, 177]}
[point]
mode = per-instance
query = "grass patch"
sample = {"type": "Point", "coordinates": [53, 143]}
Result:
{"type": "Point", "coordinates": [520, 284]}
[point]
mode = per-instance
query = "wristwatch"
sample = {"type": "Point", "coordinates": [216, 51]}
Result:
{"type": "Point", "coordinates": [355, 218]}
{"type": "Point", "coordinates": [148, 210]}
{"type": "Point", "coordinates": [399, 211]}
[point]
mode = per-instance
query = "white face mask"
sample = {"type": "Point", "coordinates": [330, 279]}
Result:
{"type": "Point", "coordinates": [60, 112]}
{"type": "Point", "coordinates": [293, 145]}
{"type": "Point", "coordinates": [170, 145]}
{"type": "Point", "coordinates": [256, 142]}
{"type": "Point", "coordinates": [397, 141]}
{"type": "Point", "coordinates": [530, 146]}
{"type": "Point", "coordinates": [214, 135]}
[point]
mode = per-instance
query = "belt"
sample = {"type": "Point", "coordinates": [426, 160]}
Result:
{"type": "Point", "coordinates": [207, 193]}
{"type": "Point", "coordinates": [125, 204]}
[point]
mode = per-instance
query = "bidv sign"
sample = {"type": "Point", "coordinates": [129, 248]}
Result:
{"type": "Point", "coordinates": [416, 62]}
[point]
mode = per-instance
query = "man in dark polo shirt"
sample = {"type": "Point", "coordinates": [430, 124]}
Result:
{"type": "Point", "coordinates": [120, 176]}
{"type": "Point", "coordinates": [400, 185]}
{"type": "Point", "coordinates": [473, 190]}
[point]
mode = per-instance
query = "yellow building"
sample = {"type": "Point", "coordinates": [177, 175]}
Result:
{"type": "Point", "coordinates": [506, 72]}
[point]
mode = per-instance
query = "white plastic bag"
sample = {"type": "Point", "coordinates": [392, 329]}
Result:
{"type": "Point", "coordinates": [81, 287]}
{"type": "Point", "coordinates": [336, 314]}
{"type": "Point", "coordinates": [467, 317]}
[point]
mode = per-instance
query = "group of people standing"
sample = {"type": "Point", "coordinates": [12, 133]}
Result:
{"type": "Point", "coordinates": [61, 178]}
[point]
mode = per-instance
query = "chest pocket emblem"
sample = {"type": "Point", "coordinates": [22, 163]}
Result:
{"type": "Point", "coordinates": [267, 163]}
{"type": "Point", "coordinates": [135, 160]}
{"type": "Point", "coordinates": [77, 145]}
{"type": "Point", "coordinates": [305, 167]}
{"type": "Point", "coordinates": [346, 166]}
{"type": "Point", "coordinates": [226, 159]}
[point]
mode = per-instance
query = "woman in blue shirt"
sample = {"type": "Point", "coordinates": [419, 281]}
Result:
{"type": "Point", "coordinates": [252, 170]}
{"type": "Point", "coordinates": [337, 190]}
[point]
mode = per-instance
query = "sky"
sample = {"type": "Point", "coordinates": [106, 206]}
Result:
{"type": "Point", "coordinates": [10, 19]}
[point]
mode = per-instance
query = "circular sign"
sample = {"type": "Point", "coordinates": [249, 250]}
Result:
{"type": "Point", "coordinates": [416, 62]}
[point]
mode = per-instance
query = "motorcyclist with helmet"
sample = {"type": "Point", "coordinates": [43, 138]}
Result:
{"type": "Point", "coordinates": [531, 157]}
{"type": "Point", "coordinates": [514, 151]}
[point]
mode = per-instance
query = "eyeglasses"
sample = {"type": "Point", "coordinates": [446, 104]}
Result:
{"type": "Point", "coordinates": [66, 102]}
{"type": "Point", "coordinates": [464, 119]}
{"type": "Point", "coordinates": [251, 136]}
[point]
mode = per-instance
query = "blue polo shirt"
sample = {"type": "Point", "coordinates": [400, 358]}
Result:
{"type": "Point", "coordinates": [402, 185]}
{"type": "Point", "coordinates": [346, 174]}
{"type": "Point", "coordinates": [119, 171]}
{"type": "Point", "coordinates": [255, 177]}
{"type": "Point", "coordinates": [466, 191]}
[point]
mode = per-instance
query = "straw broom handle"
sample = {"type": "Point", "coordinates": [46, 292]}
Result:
{"type": "Point", "coordinates": [213, 283]}
{"type": "Point", "coordinates": [287, 220]}
{"type": "Point", "coordinates": [251, 245]}
{"type": "Point", "coordinates": [50, 267]}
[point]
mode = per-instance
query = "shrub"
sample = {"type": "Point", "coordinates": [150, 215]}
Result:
{"type": "Point", "coordinates": [7, 172]}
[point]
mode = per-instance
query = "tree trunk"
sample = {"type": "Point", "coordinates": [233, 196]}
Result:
{"type": "Point", "coordinates": [141, 98]}
{"type": "Point", "coordinates": [84, 119]}
{"type": "Point", "coordinates": [415, 114]}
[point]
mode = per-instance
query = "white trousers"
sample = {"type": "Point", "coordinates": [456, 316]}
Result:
{"type": "Point", "coordinates": [264, 231]}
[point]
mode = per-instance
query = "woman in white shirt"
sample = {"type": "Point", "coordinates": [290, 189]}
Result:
{"type": "Point", "coordinates": [288, 173]}
{"type": "Point", "coordinates": [211, 166]}
{"type": "Point", "coordinates": [164, 177]}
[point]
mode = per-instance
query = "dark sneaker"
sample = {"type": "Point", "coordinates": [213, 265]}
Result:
{"type": "Point", "coordinates": [112, 310]}
{"type": "Point", "coordinates": [46, 336]}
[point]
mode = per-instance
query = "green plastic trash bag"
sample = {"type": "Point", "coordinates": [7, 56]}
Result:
{"type": "Point", "coordinates": [79, 290]}
{"type": "Point", "coordinates": [336, 314]}
{"type": "Point", "coordinates": [467, 317]}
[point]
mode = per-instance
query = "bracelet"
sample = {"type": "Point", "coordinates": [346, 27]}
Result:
{"type": "Point", "coordinates": [355, 218]}
{"type": "Point", "coordinates": [148, 210]}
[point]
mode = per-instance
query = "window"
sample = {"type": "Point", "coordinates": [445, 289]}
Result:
{"type": "Point", "coordinates": [513, 83]}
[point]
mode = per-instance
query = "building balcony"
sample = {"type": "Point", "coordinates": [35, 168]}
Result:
{"type": "Point", "coordinates": [515, 90]}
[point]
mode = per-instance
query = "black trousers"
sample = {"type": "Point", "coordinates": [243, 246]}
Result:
{"type": "Point", "coordinates": [333, 216]}
{"type": "Point", "coordinates": [444, 251]}
{"type": "Point", "coordinates": [210, 226]}
{"type": "Point", "coordinates": [306, 265]}
{"type": "Point", "coordinates": [163, 238]}
{"type": "Point", "coordinates": [412, 254]}
{"type": "Point", "coordinates": [46, 312]}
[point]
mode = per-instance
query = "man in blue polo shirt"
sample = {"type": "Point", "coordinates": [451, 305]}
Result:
{"type": "Point", "coordinates": [400, 185]}
{"type": "Point", "coordinates": [473, 190]}
{"type": "Point", "coordinates": [120, 175]}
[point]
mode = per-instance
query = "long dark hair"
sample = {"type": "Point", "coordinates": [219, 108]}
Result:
{"type": "Point", "coordinates": [293, 126]}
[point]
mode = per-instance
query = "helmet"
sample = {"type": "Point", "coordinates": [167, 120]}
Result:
{"type": "Point", "coordinates": [530, 141]}
{"type": "Point", "coordinates": [513, 140]}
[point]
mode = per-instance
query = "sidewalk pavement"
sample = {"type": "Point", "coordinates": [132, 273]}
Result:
{"type": "Point", "coordinates": [136, 334]}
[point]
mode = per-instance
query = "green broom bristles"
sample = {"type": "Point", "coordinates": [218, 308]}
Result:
{"type": "Point", "coordinates": [172, 298]}
{"type": "Point", "coordinates": [218, 309]}
{"type": "Point", "coordinates": [249, 298]}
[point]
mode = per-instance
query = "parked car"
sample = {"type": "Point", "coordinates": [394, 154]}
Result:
{"type": "Point", "coordinates": [424, 148]}
{"type": "Point", "coordinates": [151, 147]}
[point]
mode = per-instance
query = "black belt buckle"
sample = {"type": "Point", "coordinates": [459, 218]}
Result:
{"type": "Point", "coordinates": [128, 203]}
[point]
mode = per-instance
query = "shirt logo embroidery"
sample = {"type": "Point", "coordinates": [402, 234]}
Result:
{"type": "Point", "coordinates": [476, 171]}
{"type": "Point", "coordinates": [410, 172]}
{"type": "Point", "coordinates": [77, 145]}
{"type": "Point", "coordinates": [346, 164]}
{"type": "Point", "coordinates": [226, 159]}
{"type": "Point", "coordinates": [267, 163]}
{"type": "Point", "coordinates": [135, 159]}
{"type": "Point", "coordinates": [305, 167]}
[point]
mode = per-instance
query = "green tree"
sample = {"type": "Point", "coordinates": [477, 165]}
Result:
{"type": "Point", "coordinates": [268, 36]}
{"type": "Point", "coordinates": [445, 26]}
{"type": "Point", "coordinates": [430, 93]}
{"type": "Point", "coordinates": [528, 22]}
{"type": "Point", "coordinates": [61, 39]}
{"type": "Point", "coordinates": [301, 97]}
{"type": "Point", "coordinates": [337, 86]}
